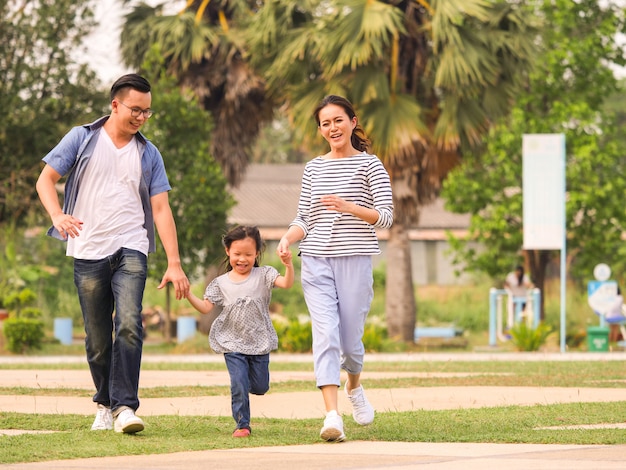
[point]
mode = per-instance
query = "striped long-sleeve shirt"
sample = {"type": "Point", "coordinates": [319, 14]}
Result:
{"type": "Point", "coordinates": [361, 179]}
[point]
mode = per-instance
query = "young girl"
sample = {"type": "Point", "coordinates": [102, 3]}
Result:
{"type": "Point", "coordinates": [243, 331]}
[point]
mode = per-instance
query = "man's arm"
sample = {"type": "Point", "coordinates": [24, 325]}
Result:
{"type": "Point", "coordinates": [164, 221]}
{"type": "Point", "coordinates": [64, 223]}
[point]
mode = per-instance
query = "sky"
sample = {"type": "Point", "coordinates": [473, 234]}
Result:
{"type": "Point", "coordinates": [103, 45]}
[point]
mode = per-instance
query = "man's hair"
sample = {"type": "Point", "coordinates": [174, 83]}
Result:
{"type": "Point", "coordinates": [132, 81]}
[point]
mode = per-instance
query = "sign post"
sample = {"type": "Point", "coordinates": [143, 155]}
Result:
{"type": "Point", "coordinates": [544, 200]}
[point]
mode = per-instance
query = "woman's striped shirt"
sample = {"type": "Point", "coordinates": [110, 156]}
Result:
{"type": "Point", "coordinates": [361, 179]}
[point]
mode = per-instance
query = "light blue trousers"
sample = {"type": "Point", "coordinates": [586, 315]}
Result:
{"type": "Point", "coordinates": [338, 293]}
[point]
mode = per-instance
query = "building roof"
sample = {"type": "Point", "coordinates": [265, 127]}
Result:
{"type": "Point", "coordinates": [268, 198]}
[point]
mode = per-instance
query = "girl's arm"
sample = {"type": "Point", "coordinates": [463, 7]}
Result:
{"type": "Point", "coordinates": [286, 281]}
{"type": "Point", "coordinates": [201, 305]}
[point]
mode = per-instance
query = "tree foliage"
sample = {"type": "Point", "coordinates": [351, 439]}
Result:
{"type": "Point", "coordinates": [565, 94]}
{"type": "Point", "coordinates": [428, 78]}
{"type": "Point", "coordinates": [181, 130]}
{"type": "Point", "coordinates": [202, 47]}
{"type": "Point", "coordinates": [43, 91]}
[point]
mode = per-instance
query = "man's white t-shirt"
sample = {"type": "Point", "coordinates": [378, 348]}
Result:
{"type": "Point", "coordinates": [108, 202]}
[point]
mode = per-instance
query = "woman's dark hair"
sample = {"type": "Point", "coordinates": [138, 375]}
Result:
{"type": "Point", "coordinates": [239, 233]}
{"type": "Point", "coordinates": [132, 81]}
{"type": "Point", "coordinates": [520, 275]}
{"type": "Point", "coordinates": [358, 137]}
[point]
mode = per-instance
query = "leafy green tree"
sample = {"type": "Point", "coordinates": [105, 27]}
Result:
{"type": "Point", "coordinates": [565, 94]}
{"type": "Point", "coordinates": [203, 48]}
{"type": "Point", "coordinates": [42, 91]}
{"type": "Point", "coordinates": [199, 199]}
{"type": "Point", "coordinates": [427, 78]}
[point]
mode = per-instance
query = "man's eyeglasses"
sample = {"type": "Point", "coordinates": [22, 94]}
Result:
{"type": "Point", "coordinates": [135, 112]}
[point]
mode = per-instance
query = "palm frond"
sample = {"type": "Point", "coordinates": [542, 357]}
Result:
{"type": "Point", "coordinates": [394, 126]}
{"type": "Point", "coordinates": [183, 41]}
{"type": "Point", "coordinates": [363, 30]}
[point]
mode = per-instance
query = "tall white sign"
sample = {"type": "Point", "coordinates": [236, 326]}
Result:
{"type": "Point", "coordinates": [544, 191]}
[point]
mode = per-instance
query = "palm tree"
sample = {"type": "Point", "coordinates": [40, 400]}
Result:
{"type": "Point", "coordinates": [202, 48]}
{"type": "Point", "coordinates": [427, 79]}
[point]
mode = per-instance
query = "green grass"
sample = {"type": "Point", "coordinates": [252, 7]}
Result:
{"type": "Point", "coordinates": [464, 306]}
{"type": "Point", "coordinates": [164, 434]}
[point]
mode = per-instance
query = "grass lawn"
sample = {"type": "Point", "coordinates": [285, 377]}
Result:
{"type": "Point", "coordinates": [71, 438]}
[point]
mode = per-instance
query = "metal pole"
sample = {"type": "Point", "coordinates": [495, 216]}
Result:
{"type": "Point", "coordinates": [493, 294]}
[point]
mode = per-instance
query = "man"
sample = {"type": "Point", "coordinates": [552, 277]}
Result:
{"type": "Point", "coordinates": [116, 191]}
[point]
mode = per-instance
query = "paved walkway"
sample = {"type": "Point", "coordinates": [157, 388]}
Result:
{"type": "Point", "coordinates": [346, 455]}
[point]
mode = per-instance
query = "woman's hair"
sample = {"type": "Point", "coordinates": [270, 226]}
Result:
{"type": "Point", "coordinates": [239, 233]}
{"type": "Point", "coordinates": [520, 275]}
{"type": "Point", "coordinates": [131, 81]}
{"type": "Point", "coordinates": [358, 138]}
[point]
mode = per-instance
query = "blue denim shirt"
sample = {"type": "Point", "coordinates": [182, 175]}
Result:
{"type": "Point", "coordinates": [71, 156]}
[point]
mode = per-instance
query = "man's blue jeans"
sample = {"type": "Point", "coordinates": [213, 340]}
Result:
{"type": "Point", "coordinates": [113, 283]}
{"type": "Point", "coordinates": [248, 374]}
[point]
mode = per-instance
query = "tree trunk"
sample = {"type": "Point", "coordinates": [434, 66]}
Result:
{"type": "Point", "coordinates": [168, 318]}
{"type": "Point", "coordinates": [538, 261]}
{"type": "Point", "coordinates": [400, 304]}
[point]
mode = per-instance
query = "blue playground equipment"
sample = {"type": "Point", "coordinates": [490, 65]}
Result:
{"type": "Point", "coordinates": [514, 309]}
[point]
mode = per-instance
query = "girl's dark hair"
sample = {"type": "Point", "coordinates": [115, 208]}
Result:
{"type": "Point", "coordinates": [520, 274]}
{"type": "Point", "coordinates": [239, 233]}
{"type": "Point", "coordinates": [358, 138]}
{"type": "Point", "coordinates": [132, 81]}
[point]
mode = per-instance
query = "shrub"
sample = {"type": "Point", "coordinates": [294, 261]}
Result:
{"type": "Point", "coordinates": [374, 337]}
{"type": "Point", "coordinates": [296, 336]}
{"type": "Point", "coordinates": [526, 338]}
{"type": "Point", "coordinates": [23, 334]}
{"type": "Point", "coordinates": [24, 329]}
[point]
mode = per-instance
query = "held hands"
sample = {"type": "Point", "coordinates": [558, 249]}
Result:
{"type": "Point", "coordinates": [67, 225]}
{"type": "Point", "coordinates": [179, 280]}
{"type": "Point", "coordinates": [285, 257]}
{"type": "Point", "coordinates": [283, 248]}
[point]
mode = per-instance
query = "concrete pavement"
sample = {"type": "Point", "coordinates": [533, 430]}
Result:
{"type": "Point", "coordinates": [346, 455]}
{"type": "Point", "coordinates": [365, 455]}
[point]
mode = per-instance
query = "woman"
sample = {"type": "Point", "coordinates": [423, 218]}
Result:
{"type": "Point", "coordinates": [517, 284]}
{"type": "Point", "coordinates": [345, 194]}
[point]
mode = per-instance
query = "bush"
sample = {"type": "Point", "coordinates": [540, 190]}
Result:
{"type": "Point", "coordinates": [526, 338]}
{"type": "Point", "coordinates": [23, 334]}
{"type": "Point", "coordinates": [24, 329]}
{"type": "Point", "coordinates": [374, 337]}
{"type": "Point", "coordinates": [295, 336]}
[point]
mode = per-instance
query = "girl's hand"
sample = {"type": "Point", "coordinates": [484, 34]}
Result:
{"type": "Point", "coordinates": [286, 257]}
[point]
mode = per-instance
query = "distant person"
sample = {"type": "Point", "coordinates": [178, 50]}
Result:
{"type": "Point", "coordinates": [345, 195]}
{"type": "Point", "coordinates": [116, 191]}
{"type": "Point", "coordinates": [517, 283]}
{"type": "Point", "coordinates": [243, 330]}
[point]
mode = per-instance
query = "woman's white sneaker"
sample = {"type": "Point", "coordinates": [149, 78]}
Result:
{"type": "Point", "coordinates": [362, 411]}
{"type": "Point", "coordinates": [333, 427]}
{"type": "Point", "coordinates": [127, 422]}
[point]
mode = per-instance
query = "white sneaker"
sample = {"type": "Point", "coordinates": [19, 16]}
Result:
{"type": "Point", "coordinates": [128, 423]}
{"type": "Point", "coordinates": [362, 411]}
{"type": "Point", "coordinates": [104, 419]}
{"type": "Point", "coordinates": [333, 428]}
